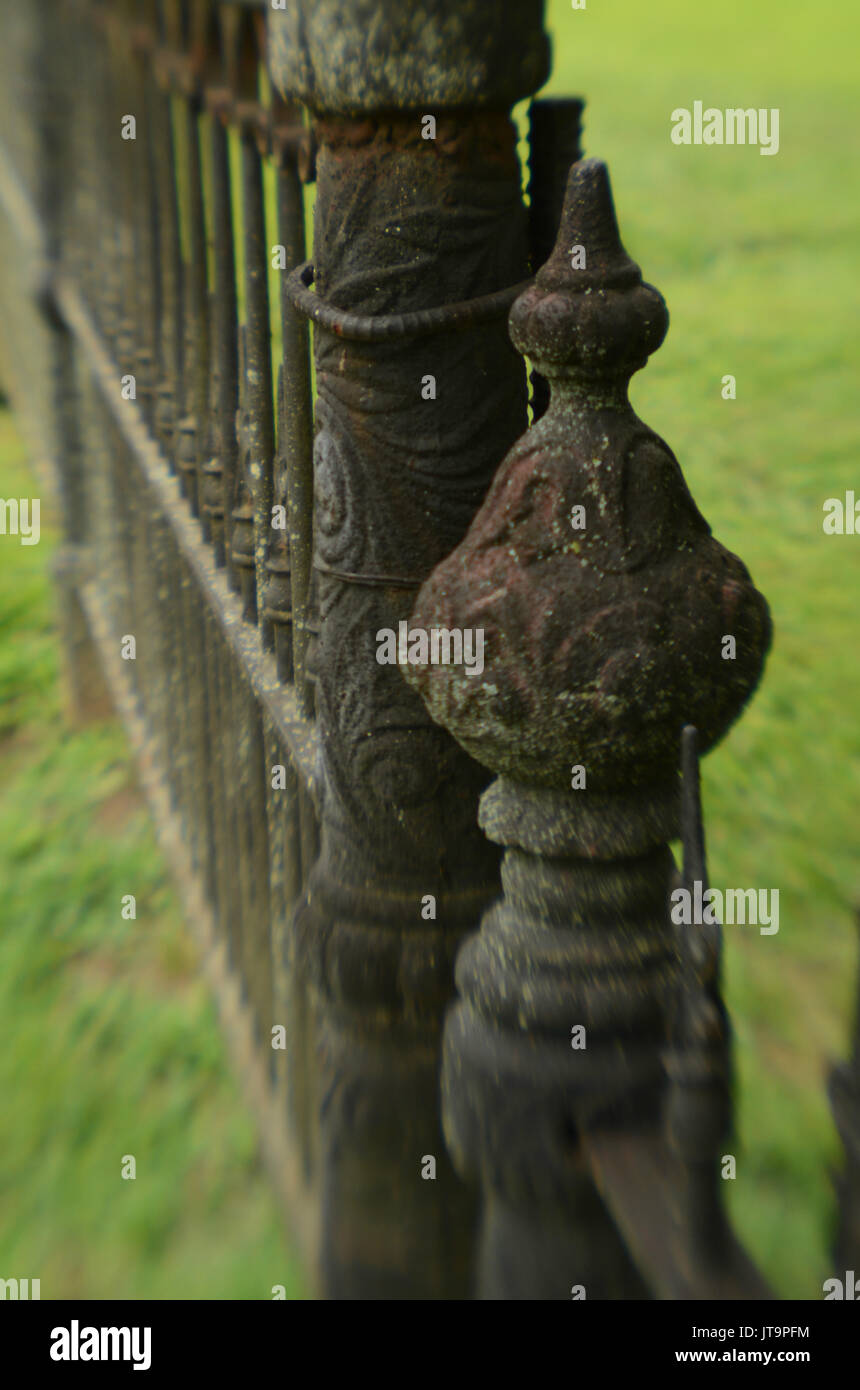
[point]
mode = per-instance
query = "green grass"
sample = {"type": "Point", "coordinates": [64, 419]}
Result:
{"type": "Point", "coordinates": [110, 1042]}
{"type": "Point", "coordinates": [110, 1045]}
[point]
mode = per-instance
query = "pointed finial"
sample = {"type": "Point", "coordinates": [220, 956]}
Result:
{"type": "Point", "coordinates": [589, 310]}
{"type": "Point", "coordinates": [599, 593]}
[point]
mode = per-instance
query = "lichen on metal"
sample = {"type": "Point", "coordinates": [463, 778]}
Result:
{"type": "Point", "coordinates": [346, 57]}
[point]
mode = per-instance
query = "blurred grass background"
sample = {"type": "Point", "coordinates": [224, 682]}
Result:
{"type": "Point", "coordinates": [109, 1040]}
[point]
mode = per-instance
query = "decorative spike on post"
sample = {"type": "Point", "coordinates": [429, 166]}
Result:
{"type": "Point", "coordinates": [604, 604]}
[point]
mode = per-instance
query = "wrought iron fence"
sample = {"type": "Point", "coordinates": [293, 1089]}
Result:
{"type": "Point", "coordinates": [235, 561]}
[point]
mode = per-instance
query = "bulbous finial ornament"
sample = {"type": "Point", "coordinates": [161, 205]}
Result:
{"type": "Point", "coordinates": [611, 617]}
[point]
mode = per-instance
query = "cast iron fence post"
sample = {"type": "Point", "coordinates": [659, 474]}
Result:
{"type": "Point", "coordinates": [604, 604]}
{"type": "Point", "coordinates": [409, 217]}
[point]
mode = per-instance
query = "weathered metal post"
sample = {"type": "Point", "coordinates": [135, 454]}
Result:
{"type": "Point", "coordinates": [418, 208]}
{"type": "Point", "coordinates": [604, 604]}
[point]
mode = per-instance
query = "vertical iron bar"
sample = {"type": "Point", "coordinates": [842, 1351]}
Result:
{"type": "Point", "coordinates": [295, 444]}
{"type": "Point", "coordinates": [224, 336]}
{"type": "Point", "coordinates": [258, 357]}
{"type": "Point", "coordinates": [170, 385]}
{"type": "Point", "coordinates": [139, 152]}
{"type": "Point", "coordinates": [192, 427]}
{"type": "Point", "coordinates": [218, 783]}
{"type": "Point", "coordinates": [555, 129]}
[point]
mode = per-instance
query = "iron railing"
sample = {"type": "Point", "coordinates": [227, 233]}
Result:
{"type": "Point", "coordinates": [232, 556]}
